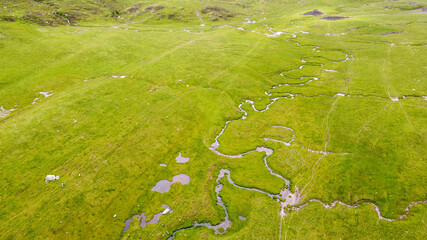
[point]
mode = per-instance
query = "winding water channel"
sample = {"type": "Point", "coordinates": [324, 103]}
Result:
{"type": "Point", "coordinates": [143, 218]}
{"type": "Point", "coordinates": [287, 199]}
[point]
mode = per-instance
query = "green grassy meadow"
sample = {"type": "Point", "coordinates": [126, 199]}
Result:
{"type": "Point", "coordinates": [134, 83]}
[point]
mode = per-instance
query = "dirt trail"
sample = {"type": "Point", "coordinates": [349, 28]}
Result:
{"type": "Point", "coordinates": [385, 77]}
{"type": "Point", "coordinates": [371, 119]}
{"type": "Point", "coordinates": [394, 98]}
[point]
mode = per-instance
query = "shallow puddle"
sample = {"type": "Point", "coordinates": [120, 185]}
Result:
{"type": "Point", "coordinates": [388, 33]}
{"type": "Point", "coordinates": [4, 112]}
{"type": "Point", "coordinates": [181, 178]}
{"type": "Point", "coordinates": [181, 159]}
{"type": "Point", "coordinates": [334, 18]}
{"type": "Point", "coordinates": [143, 218]}
{"type": "Point", "coordinates": [46, 94]}
{"type": "Point", "coordinates": [163, 186]}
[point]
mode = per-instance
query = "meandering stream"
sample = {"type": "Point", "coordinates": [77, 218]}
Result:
{"type": "Point", "coordinates": [287, 199]}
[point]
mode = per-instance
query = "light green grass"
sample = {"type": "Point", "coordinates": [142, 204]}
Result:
{"type": "Point", "coordinates": [180, 89]}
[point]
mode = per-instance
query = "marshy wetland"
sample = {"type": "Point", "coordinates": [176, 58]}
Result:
{"type": "Point", "coordinates": [213, 119]}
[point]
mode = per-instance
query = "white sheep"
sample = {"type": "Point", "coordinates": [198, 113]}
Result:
{"type": "Point", "coordinates": [51, 178]}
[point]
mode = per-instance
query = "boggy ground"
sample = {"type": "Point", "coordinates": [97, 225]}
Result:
{"type": "Point", "coordinates": [132, 84]}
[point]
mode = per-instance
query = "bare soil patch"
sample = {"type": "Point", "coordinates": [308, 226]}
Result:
{"type": "Point", "coordinates": [216, 12]}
